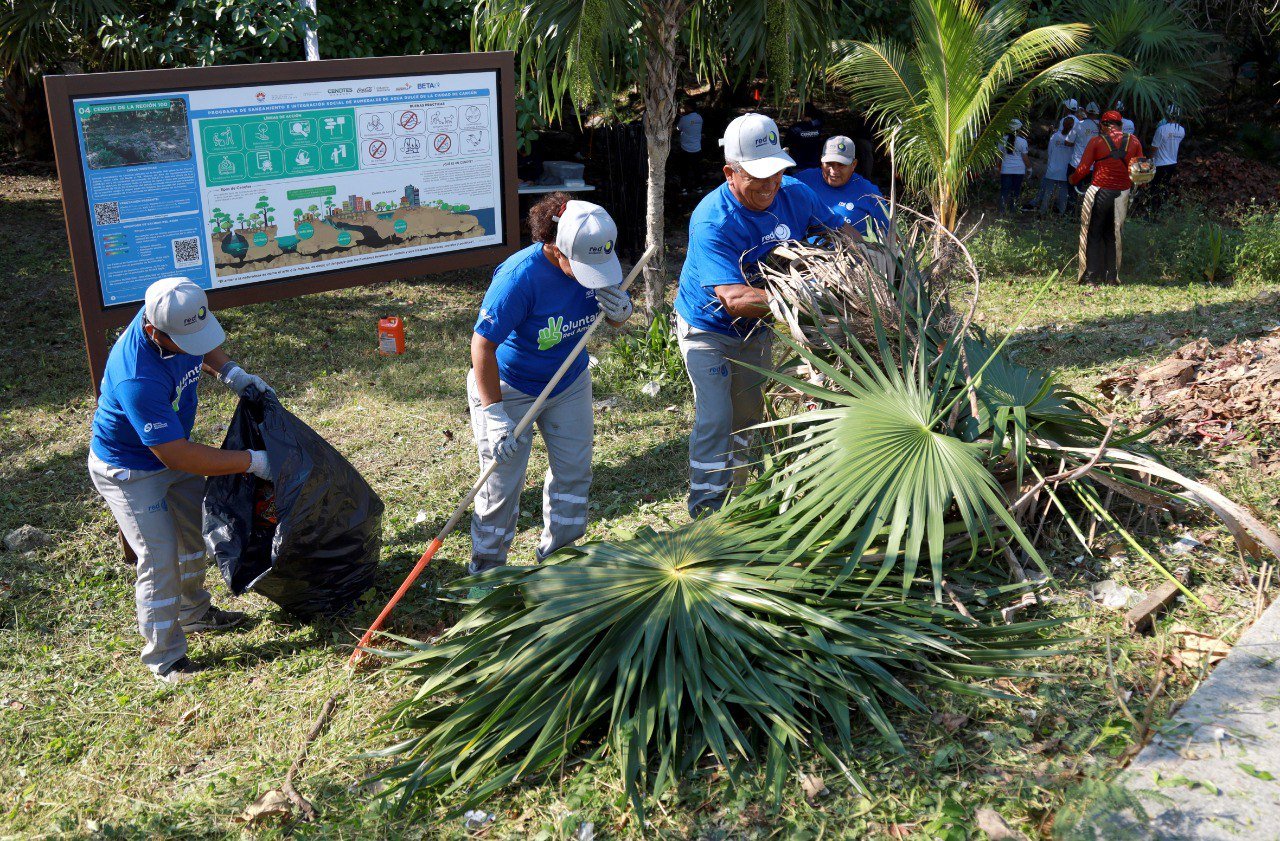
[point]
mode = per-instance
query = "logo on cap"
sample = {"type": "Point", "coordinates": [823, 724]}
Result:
{"type": "Point", "coordinates": [608, 247]}
{"type": "Point", "coordinates": [201, 313]}
{"type": "Point", "coordinates": [840, 145]}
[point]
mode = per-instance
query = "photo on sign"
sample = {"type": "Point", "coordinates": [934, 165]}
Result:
{"type": "Point", "coordinates": [144, 136]}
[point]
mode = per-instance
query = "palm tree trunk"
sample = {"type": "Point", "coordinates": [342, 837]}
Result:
{"type": "Point", "coordinates": [662, 26]}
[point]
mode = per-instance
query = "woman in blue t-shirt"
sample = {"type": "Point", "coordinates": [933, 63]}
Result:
{"type": "Point", "coordinates": [542, 299]}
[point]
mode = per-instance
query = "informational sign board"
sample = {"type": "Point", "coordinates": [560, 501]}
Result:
{"type": "Point", "coordinates": [267, 181]}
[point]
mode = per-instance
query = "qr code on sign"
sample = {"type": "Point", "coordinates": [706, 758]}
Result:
{"type": "Point", "coordinates": [186, 252]}
{"type": "Point", "coordinates": [106, 213]}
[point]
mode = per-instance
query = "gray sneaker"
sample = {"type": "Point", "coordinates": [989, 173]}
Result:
{"type": "Point", "coordinates": [181, 671]}
{"type": "Point", "coordinates": [215, 619]}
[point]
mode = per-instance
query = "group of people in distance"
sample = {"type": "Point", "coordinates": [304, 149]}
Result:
{"type": "Point", "coordinates": [1093, 153]}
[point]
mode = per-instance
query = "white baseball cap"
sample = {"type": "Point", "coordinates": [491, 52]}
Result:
{"type": "Point", "coordinates": [1091, 108]}
{"type": "Point", "coordinates": [1070, 103]}
{"type": "Point", "coordinates": [839, 149]}
{"type": "Point", "coordinates": [585, 234]}
{"type": "Point", "coordinates": [180, 309]}
{"type": "Point", "coordinates": [752, 141]}
{"type": "Point", "coordinates": [1015, 125]}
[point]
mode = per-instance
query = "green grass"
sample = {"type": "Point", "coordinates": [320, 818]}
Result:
{"type": "Point", "coordinates": [92, 745]}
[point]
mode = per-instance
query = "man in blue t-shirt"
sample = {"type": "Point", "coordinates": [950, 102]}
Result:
{"type": "Point", "coordinates": [150, 473]}
{"type": "Point", "coordinates": [859, 202]}
{"type": "Point", "coordinates": [719, 311]}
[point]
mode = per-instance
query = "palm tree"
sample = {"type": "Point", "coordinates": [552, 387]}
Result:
{"type": "Point", "coordinates": [587, 52]}
{"type": "Point", "coordinates": [38, 37]}
{"type": "Point", "coordinates": [1169, 58]}
{"type": "Point", "coordinates": [952, 91]}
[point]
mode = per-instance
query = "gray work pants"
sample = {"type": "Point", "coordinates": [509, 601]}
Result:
{"type": "Point", "coordinates": [727, 400]}
{"type": "Point", "coordinates": [567, 425]}
{"type": "Point", "coordinates": [159, 513]}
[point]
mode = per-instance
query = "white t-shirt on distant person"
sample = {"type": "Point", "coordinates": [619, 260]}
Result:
{"type": "Point", "coordinates": [1084, 131]}
{"type": "Point", "coordinates": [1167, 139]}
{"type": "Point", "coordinates": [1059, 157]}
{"type": "Point", "coordinates": [690, 126]}
{"type": "Point", "coordinates": [1011, 161]}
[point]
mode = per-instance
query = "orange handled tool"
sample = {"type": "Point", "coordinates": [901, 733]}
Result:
{"type": "Point", "coordinates": [458, 512]}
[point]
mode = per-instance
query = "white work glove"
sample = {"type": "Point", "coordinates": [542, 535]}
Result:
{"type": "Point", "coordinates": [500, 430]}
{"type": "Point", "coordinates": [260, 465]}
{"type": "Point", "coordinates": [615, 303]}
{"type": "Point", "coordinates": [238, 379]}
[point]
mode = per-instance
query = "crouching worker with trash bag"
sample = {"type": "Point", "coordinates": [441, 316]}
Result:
{"type": "Point", "coordinates": [150, 473]}
{"type": "Point", "coordinates": [541, 300]}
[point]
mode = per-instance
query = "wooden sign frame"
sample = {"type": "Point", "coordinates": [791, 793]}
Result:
{"type": "Point", "coordinates": [97, 318]}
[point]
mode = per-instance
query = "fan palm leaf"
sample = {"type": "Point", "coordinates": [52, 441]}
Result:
{"type": "Point", "coordinates": [1169, 57]}
{"type": "Point", "coordinates": [659, 649]}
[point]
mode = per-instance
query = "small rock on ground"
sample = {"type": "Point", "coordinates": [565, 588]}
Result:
{"type": "Point", "coordinates": [25, 539]}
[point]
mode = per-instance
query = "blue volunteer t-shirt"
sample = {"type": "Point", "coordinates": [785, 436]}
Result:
{"type": "Point", "coordinates": [857, 202]}
{"type": "Point", "coordinates": [535, 313]}
{"type": "Point", "coordinates": [147, 400]}
{"type": "Point", "coordinates": [723, 233]}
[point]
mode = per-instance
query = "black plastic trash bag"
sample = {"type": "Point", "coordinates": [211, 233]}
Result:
{"type": "Point", "coordinates": [310, 541]}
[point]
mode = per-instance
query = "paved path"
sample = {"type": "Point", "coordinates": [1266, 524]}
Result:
{"type": "Point", "coordinates": [1232, 720]}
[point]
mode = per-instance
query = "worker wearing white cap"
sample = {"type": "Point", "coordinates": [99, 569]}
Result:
{"type": "Point", "coordinates": [839, 187]}
{"type": "Point", "coordinates": [1126, 124]}
{"type": "Point", "coordinates": [143, 463]}
{"type": "Point", "coordinates": [719, 311]}
{"type": "Point", "coordinates": [1085, 130]}
{"type": "Point", "coordinates": [1014, 164]}
{"type": "Point", "coordinates": [541, 300]}
{"type": "Point", "coordinates": [1070, 106]}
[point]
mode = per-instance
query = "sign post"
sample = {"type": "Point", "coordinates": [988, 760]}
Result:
{"type": "Point", "coordinates": [268, 181]}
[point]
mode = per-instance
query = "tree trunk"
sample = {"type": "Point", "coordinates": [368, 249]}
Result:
{"type": "Point", "coordinates": [25, 100]}
{"type": "Point", "coordinates": [662, 26]}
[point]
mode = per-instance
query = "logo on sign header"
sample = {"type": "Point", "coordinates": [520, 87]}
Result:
{"type": "Point", "coordinates": [404, 87]}
{"type": "Point", "coordinates": [339, 90]}
{"type": "Point", "coordinates": [260, 96]}
{"type": "Point", "coordinates": [367, 89]}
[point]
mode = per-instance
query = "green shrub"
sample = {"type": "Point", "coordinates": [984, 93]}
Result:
{"type": "Point", "coordinates": [650, 355]}
{"type": "Point", "coordinates": [1257, 256]}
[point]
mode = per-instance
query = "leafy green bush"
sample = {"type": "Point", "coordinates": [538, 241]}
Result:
{"type": "Point", "coordinates": [651, 355]}
{"type": "Point", "coordinates": [395, 27]}
{"type": "Point", "coordinates": [1257, 256]}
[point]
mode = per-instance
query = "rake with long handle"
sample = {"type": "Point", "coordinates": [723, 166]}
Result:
{"type": "Point", "coordinates": [520, 429]}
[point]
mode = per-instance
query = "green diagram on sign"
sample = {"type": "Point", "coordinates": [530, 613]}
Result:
{"type": "Point", "coordinates": [267, 147]}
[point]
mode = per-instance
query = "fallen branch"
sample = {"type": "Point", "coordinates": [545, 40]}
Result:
{"type": "Point", "coordinates": [308, 812]}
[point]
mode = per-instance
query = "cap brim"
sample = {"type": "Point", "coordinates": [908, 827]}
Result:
{"type": "Point", "coordinates": [597, 275]}
{"type": "Point", "coordinates": [767, 167]}
{"type": "Point", "coordinates": [204, 340]}
{"type": "Point", "coordinates": [838, 159]}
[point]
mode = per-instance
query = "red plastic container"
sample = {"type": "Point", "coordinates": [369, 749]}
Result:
{"type": "Point", "coordinates": [391, 336]}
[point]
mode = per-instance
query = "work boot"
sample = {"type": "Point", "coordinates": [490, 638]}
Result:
{"type": "Point", "coordinates": [181, 671]}
{"type": "Point", "coordinates": [214, 619]}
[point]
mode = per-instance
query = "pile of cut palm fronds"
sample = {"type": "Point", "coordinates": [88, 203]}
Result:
{"type": "Point", "coordinates": [757, 634]}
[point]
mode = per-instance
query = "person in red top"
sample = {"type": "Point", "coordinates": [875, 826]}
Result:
{"type": "Point", "coordinates": [1106, 202]}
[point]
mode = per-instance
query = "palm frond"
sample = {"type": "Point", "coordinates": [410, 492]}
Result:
{"type": "Point", "coordinates": [655, 651]}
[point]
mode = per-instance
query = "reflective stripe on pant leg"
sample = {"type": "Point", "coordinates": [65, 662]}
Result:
{"type": "Point", "coordinates": [1121, 212]}
{"type": "Point", "coordinates": [1086, 216]}
{"type": "Point", "coordinates": [747, 398]}
{"type": "Point", "coordinates": [497, 505]}
{"type": "Point", "coordinates": [567, 424]}
{"type": "Point", "coordinates": [709, 440]}
{"type": "Point", "coordinates": [186, 498]}
{"type": "Point", "coordinates": [137, 501]}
